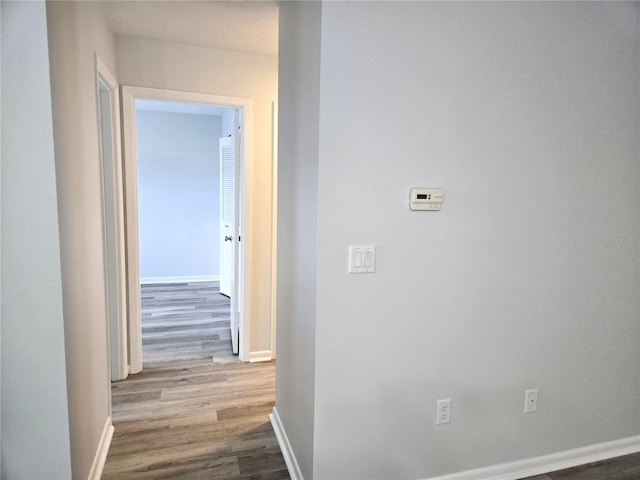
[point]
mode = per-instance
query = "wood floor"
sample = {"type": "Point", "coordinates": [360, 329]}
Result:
{"type": "Point", "coordinates": [186, 416]}
{"type": "Point", "coordinates": [185, 322]}
{"type": "Point", "coordinates": [620, 468]}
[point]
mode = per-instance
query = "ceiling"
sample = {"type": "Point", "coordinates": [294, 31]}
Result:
{"type": "Point", "coordinates": [244, 26]}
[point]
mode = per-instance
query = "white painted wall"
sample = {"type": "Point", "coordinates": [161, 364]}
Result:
{"type": "Point", "coordinates": [299, 93]}
{"type": "Point", "coordinates": [178, 194]}
{"type": "Point", "coordinates": [34, 417]}
{"type": "Point", "coordinates": [189, 68]}
{"type": "Point", "coordinates": [526, 114]}
{"type": "Point", "coordinates": [76, 31]}
{"type": "Point", "coordinates": [0, 244]}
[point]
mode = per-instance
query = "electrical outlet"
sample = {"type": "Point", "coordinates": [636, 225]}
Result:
{"type": "Point", "coordinates": [531, 401]}
{"type": "Point", "coordinates": [443, 411]}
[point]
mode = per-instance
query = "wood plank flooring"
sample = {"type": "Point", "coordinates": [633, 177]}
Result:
{"type": "Point", "coordinates": [184, 322]}
{"type": "Point", "coordinates": [186, 416]}
{"type": "Point", "coordinates": [621, 468]}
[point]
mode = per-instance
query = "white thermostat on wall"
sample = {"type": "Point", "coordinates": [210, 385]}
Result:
{"type": "Point", "coordinates": [427, 199]}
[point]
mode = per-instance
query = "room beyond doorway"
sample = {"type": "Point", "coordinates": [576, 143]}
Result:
{"type": "Point", "coordinates": [179, 191]}
{"type": "Point", "coordinates": [188, 189]}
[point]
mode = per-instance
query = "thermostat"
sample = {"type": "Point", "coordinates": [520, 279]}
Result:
{"type": "Point", "coordinates": [429, 199]}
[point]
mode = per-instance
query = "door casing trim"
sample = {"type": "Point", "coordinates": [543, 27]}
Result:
{"type": "Point", "coordinates": [129, 94]}
{"type": "Point", "coordinates": [113, 231]}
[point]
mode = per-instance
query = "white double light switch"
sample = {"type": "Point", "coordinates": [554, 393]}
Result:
{"type": "Point", "coordinates": [362, 258]}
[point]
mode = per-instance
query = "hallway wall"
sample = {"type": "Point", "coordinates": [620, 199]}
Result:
{"type": "Point", "coordinates": [526, 115]}
{"type": "Point", "coordinates": [34, 410]}
{"type": "Point", "coordinates": [76, 31]}
{"type": "Point", "coordinates": [298, 129]}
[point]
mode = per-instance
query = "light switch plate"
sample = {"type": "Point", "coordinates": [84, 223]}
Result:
{"type": "Point", "coordinates": [362, 259]}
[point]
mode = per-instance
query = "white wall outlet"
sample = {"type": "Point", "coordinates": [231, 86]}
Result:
{"type": "Point", "coordinates": [443, 414]}
{"type": "Point", "coordinates": [531, 401]}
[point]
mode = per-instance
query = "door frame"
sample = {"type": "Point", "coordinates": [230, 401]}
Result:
{"type": "Point", "coordinates": [112, 196]}
{"type": "Point", "coordinates": [274, 222]}
{"type": "Point", "coordinates": [129, 95]}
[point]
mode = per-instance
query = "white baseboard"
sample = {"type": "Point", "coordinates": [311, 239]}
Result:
{"type": "Point", "coordinates": [287, 452]}
{"type": "Point", "coordinates": [187, 279]}
{"type": "Point", "coordinates": [101, 453]}
{"type": "Point", "coordinates": [260, 356]}
{"type": "Point", "coordinates": [506, 471]}
{"type": "Point", "coordinates": [549, 463]}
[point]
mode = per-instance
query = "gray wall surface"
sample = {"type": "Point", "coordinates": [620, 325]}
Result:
{"type": "Point", "coordinates": [526, 115]}
{"type": "Point", "coordinates": [297, 223]}
{"type": "Point", "coordinates": [34, 417]}
{"type": "Point", "coordinates": [77, 31]}
{"type": "Point", "coordinates": [178, 194]}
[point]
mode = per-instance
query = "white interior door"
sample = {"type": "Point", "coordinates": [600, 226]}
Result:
{"type": "Point", "coordinates": [227, 214]}
{"type": "Point", "coordinates": [230, 168]}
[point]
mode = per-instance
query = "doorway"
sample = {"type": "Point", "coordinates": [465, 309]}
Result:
{"type": "Point", "coordinates": [241, 109]}
{"type": "Point", "coordinates": [186, 195]}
